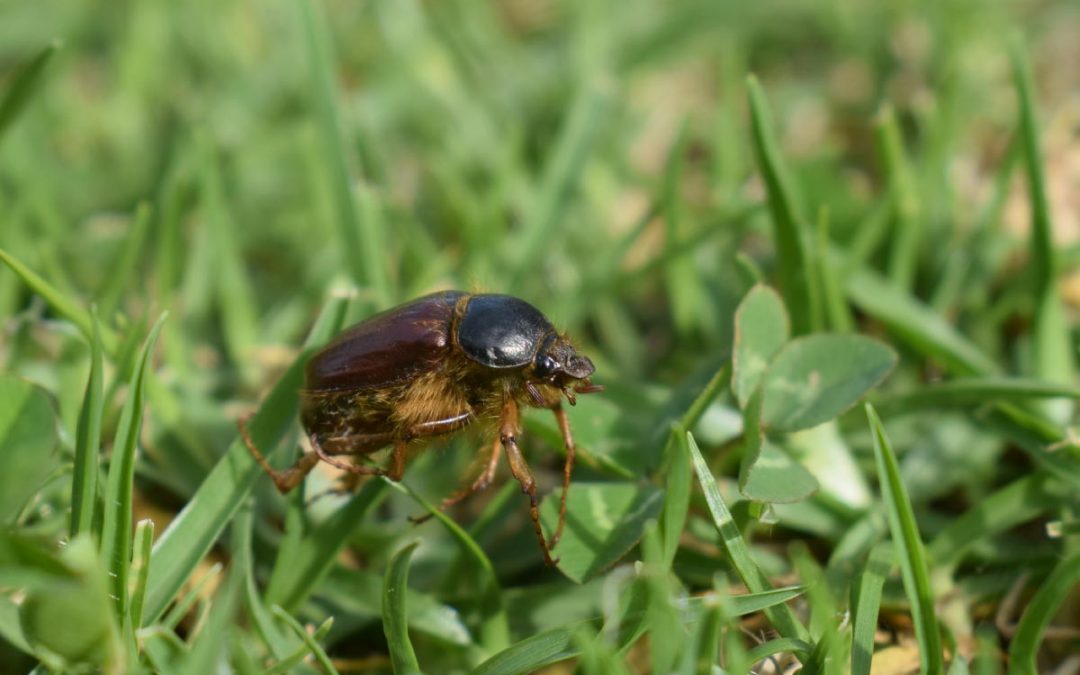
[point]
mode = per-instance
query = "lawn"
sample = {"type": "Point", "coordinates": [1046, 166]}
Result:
{"type": "Point", "coordinates": [824, 256]}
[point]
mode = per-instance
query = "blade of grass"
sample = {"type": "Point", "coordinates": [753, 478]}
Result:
{"type": "Point", "coordinates": [1051, 345]}
{"type": "Point", "coordinates": [557, 644]}
{"type": "Point", "coordinates": [909, 547]}
{"type": "Point", "coordinates": [140, 568]}
{"type": "Point", "coordinates": [122, 270]}
{"type": "Point", "coordinates": [236, 300]}
{"type": "Point", "coordinates": [116, 524]}
{"type": "Point", "coordinates": [973, 391]}
{"type": "Point", "coordinates": [210, 642]}
{"type": "Point", "coordinates": [395, 614]}
{"type": "Point", "coordinates": [22, 86]}
{"type": "Point", "coordinates": [88, 441]}
{"type": "Point", "coordinates": [1038, 437]}
{"type": "Point", "coordinates": [677, 457]}
{"type": "Point", "coordinates": [566, 163]}
{"type": "Point", "coordinates": [309, 640]}
{"type": "Point", "coordinates": [667, 635]}
{"type": "Point", "coordinates": [362, 241]}
{"type": "Point", "coordinates": [61, 304]}
{"type": "Point", "coordinates": [495, 625]}
{"type": "Point", "coordinates": [867, 601]}
{"type": "Point", "coordinates": [298, 571]}
{"type": "Point", "coordinates": [777, 646]}
{"type": "Point", "coordinates": [791, 236]}
{"type": "Point", "coordinates": [195, 529]}
{"type": "Point", "coordinates": [1044, 605]}
{"type": "Point", "coordinates": [782, 618]}
{"type": "Point", "coordinates": [684, 290]}
{"type": "Point", "coordinates": [907, 227]}
{"type": "Point", "coordinates": [1018, 502]}
{"type": "Point", "coordinates": [837, 314]}
{"type": "Point", "coordinates": [917, 325]}
{"type": "Point", "coordinates": [290, 663]}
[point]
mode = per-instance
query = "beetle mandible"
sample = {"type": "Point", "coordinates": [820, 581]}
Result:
{"type": "Point", "coordinates": [431, 367]}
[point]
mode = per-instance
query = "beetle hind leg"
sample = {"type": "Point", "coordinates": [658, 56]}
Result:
{"type": "Point", "coordinates": [286, 479]}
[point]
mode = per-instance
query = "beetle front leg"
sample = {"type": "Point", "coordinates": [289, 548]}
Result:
{"type": "Point", "coordinates": [568, 467]}
{"type": "Point", "coordinates": [508, 429]}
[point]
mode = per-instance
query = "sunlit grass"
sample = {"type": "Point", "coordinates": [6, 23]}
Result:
{"type": "Point", "coordinates": [750, 217]}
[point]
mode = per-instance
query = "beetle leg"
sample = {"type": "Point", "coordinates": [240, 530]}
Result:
{"type": "Point", "coordinates": [568, 467]}
{"type": "Point", "coordinates": [285, 480]}
{"type": "Point", "coordinates": [351, 468]}
{"type": "Point", "coordinates": [481, 483]}
{"type": "Point", "coordinates": [508, 428]}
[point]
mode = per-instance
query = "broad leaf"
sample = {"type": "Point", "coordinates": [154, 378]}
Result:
{"type": "Point", "coordinates": [815, 378]}
{"type": "Point", "coordinates": [776, 477]}
{"type": "Point", "coordinates": [761, 329]}
{"type": "Point", "coordinates": [603, 522]}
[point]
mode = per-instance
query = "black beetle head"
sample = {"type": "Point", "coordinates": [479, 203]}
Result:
{"type": "Point", "coordinates": [558, 363]}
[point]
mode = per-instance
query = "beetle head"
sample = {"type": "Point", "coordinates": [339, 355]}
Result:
{"type": "Point", "coordinates": [558, 363]}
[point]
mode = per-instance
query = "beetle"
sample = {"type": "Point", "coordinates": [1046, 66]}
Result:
{"type": "Point", "coordinates": [432, 367]}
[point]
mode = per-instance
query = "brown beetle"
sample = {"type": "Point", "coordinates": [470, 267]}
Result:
{"type": "Point", "coordinates": [431, 367]}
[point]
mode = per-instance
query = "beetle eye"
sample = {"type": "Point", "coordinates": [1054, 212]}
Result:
{"type": "Point", "coordinates": [545, 366]}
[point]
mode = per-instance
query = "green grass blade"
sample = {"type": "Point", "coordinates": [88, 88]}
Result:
{"type": "Point", "coordinates": [531, 654]}
{"type": "Point", "coordinates": [495, 625]}
{"type": "Point", "coordinates": [685, 293]}
{"type": "Point", "coordinates": [909, 547]}
{"type": "Point", "coordinates": [63, 305]}
{"type": "Point", "coordinates": [116, 523]}
{"type": "Point", "coordinates": [837, 314]}
{"type": "Point", "coordinates": [209, 645]}
{"type": "Point", "coordinates": [907, 226]}
{"type": "Point", "coordinates": [1052, 343]}
{"type": "Point", "coordinates": [195, 529]}
{"type": "Point", "coordinates": [298, 571]}
{"type": "Point", "coordinates": [362, 240]}
{"type": "Point", "coordinates": [395, 614]}
{"type": "Point", "coordinates": [791, 235]}
{"type": "Point", "coordinates": [1018, 502]}
{"type": "Point", "coordinates": [309, 640]}
{"type": "Point", "coordinates": [781, 616]}
{"type": "Point", "coordinates": [140, 569]}
{"type": "Point", "coordinates": [88, 441]}
{"type": "Point", "coordinates": [778, 646]}
{"type": "Point", "coordinates": [22, 86]}
{"type": "Point", "coordinates": [561, 173]}
{"type": "Point", "coordinates": [867, 603]}
{"type": "Point", "coordinates": [973, 391]}
{"type": "Point", "coordinates": [667, 635]}
{"type": "Point", "coordinates": [184, 603]}
{"type": "Point", "coordinates": [1043, 606]}
{"type": "Point", "coordinates": [236, 299]}
{"type": "Point", "coordinates": [676, 494]}
{"type": "Point", "coordinates": [122, 270]}
{"type": "Point", "coordinates": [917, 325]}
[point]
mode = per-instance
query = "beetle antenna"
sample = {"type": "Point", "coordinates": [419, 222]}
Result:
{"type": "Point", "coordinates": [587, 387]}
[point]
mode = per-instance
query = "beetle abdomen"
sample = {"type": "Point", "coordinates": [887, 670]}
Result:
{"type": "Point", "coordinates": [389, 347]}
{"type": "Point", "coordinates": [501, 331]}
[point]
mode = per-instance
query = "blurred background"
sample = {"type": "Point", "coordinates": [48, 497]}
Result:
{"type": "Point", "coordinates": [237, 162]}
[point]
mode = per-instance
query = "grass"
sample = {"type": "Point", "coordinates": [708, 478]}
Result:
{"type": "Point", "coordinates": [751, 217]}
